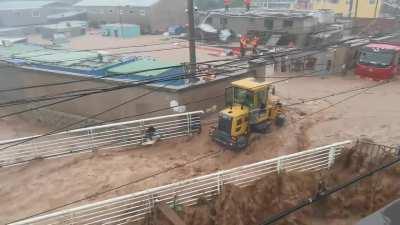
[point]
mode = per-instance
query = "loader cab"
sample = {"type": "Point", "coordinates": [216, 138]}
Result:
{"type": "Point", "coordinates": [253, 95]}
{"type": "Point", "coordinates": [251, 106]}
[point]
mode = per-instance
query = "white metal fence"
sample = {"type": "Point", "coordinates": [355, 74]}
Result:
{"type": "Point", "coordinates": [110, 136]}
{"type": "Point", "coordinates": [135, 207]}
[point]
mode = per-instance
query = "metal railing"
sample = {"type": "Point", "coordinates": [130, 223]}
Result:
{"type": "Point", "coordinates": [110, 136]}
{"type": "Point", "coordinates": [135, 207]}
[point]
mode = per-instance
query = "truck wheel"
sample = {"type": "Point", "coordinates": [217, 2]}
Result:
{"type": "Point", "coordinates": [241, 143]}
{"type": "Point", "coordinates": [280, 121]}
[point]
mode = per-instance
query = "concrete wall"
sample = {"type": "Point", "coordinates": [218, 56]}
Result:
{"type": "Point", "coordinates": [92, 105]}
{"type": "Point", "coordinates": [243, 25]}
{"type": "Point", "coordinates": [152, 19]}
{"type": "Point", "coordinates": [132, 15]}
{"type": "Point", "coordinates": [167, 13]}
{"type": "Point", "coordinates": [26, 17]}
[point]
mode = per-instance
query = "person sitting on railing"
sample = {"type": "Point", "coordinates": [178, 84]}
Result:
{"type": "Point", "coordinates": [150, 132]}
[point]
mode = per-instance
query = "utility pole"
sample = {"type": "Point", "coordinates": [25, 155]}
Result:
{"type": "Point", "coordinates": [376, 9]}
{"type": "Point", "coordinates": [350, 8]}
{"type": "Point", "coordinates": [192, 41]}
{"type": "Point", "coordinates": [356, 12]}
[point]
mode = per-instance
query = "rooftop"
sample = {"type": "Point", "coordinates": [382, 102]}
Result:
{"type": "Point", "coordinates": [263, 12]}
{"type": "Point", "coordinates": [145, 64]}
{"type": "Point", "coordinates": [62, 59]}
{"type": "Point", "coordinates": [19, 5]}
{"type": "Point", "coordinates": [384, 46]}
{"type": "Point", "coordinates": [66, 25]}
{"type": "Point", "coordinates": [116, 3]}
{"type": "Point", "coordinates": [66, 14]}
{"type": "Point", "coordinates": [250, 83]}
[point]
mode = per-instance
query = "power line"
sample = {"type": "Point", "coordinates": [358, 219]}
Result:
{"type": "Point", "coordinates": [96, 194]}
{"type": "Point", "coordinates": [67, 100]}
{"type": "Point", "coordinates": [68, 94]}
{"type": "Point", "coordinates": [120, 105]}
{"type": "Point", "coordinates": [46, 98]}
{"type": "Point", "coordinates": [279, 54]}
{"type": "Point", "coordinates": [347, 98]}
{"type": "Point", "coordinates": [327, 193]}
{"type": "Point", "coordinates": [208, 155]}
{"type": "Point", "coordinates": [270, 221]}
{"type": "Point", "coordinates": [70, 125]}
{"type": "Point", "coordinates": [76, 59]}
{"type": "Point", "coordinates": [331, 95]}
{"type": "Point", "coordinates": [105, 76]}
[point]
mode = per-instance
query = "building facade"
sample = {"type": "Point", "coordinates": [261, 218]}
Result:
{"type": "Point", "coordinates": [274, 4]}
{"type": "Point", "coordinates": [350, 8]}
{"type": "Point", "coordinates": [152, 15]}
{"type": "Point", "coordinates": [286, 26]}
{"type": "Point", "coordinates": [26, 13]}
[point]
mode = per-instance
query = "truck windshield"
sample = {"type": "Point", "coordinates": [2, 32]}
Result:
{"type": "Point", "coordinates": [243, 97]}
{"type": "Point", "coordinates": [376, 58]}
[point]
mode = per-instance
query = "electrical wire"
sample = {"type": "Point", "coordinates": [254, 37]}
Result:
{"type": "Point", "coordinates": [160, 172]}
{"type": "Point", "coordinates": [47, 98]}
{"type": "Point", "coordinates": [320, 196]}
{"type": "Point", "coordinates": [91, 196]}
{"type": "Point", "coordinates": [275, 55]}
{"type": "Point", "coordinates": [117, 106]}
{"type": "Point", "coordinates": [269, 221]}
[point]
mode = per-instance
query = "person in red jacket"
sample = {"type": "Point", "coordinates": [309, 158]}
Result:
{"type": "Point", "coordinates": [243, 45]}
{"type": "Point", "coordinates": [255, 42]}
{"type": "Point", "coordinates": [247, 3]}
{"type": "Point", "coordinates": [227, 3]}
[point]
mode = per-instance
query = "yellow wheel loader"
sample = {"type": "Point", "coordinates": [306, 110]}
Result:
{"type": "Point", "coordinates": [251, 106]}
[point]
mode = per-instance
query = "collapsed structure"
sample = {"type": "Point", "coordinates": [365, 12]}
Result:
{"type": "Point", "coordinates": [274, 27]}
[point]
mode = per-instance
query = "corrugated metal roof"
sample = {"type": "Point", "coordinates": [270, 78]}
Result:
{"type": "Point", "coordinates": [144, 64]}
{"type": "Point", "coordinates": [18, 5]}
{"type": "Point", "coordinates": [132, 3]}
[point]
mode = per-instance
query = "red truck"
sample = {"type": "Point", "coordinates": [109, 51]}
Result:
{"type": "Point", "coordinates": [379, 61]}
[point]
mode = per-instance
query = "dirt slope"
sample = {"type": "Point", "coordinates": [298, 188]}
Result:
{"type": "Point", "coordinates": [274, 194]}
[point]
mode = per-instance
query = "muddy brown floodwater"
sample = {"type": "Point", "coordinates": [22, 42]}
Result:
{"type": "Point", "coordinates": [275, 193]}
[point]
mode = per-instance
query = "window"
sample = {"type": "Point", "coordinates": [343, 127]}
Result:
{"type": "Point", "coordinates": [269, 24]}
{"type": "Point", "coordinates": [372, 2]}
{"type": "Point", "coordinates": [35, 14]}
{"type": "Point", "coordinates": [261, 99]}
{"type": "Point", "coordinates": [243, 97]}
{"type": "Point", "coordinates": [110, 11]}
{"type": "Point", "coordinates": [334, 1]}
{"type": "Point", "coordinates": [288, 23]}
{"type": "Point", "coordinates": [18, 13]}
{"type": "Point", "coordinates": [142, 12]}
{"type": "Point", "coordinates": [251, 20]}
{"type": "Point", "coordinates": [131, 12]}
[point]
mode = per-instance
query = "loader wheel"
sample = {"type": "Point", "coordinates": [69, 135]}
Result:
{"type": "Point", "coordinates": [262, 128]}
{"type": "Point", "coordinates": [280, 121]}
{"type": "Point", "coordinates": [241, 143]}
